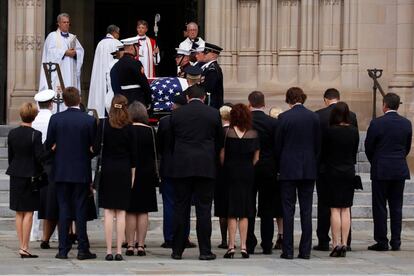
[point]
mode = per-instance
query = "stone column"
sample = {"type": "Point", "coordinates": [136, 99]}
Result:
{"type": "Point", "coordinates": [350, 52]}
{"type": "Point", "coordinates": [25, 36]}
{"type": "Point", "coordinates": [274, 41]}
{"type": "Point", "coordinates": [248, 44]}
{"type": "Point", "coordinates": [265, 42]}
{"type": "Point", "coordinates": [288, 40]}
{"type": "Point", "coordinates": [306, 41]}
{"type": "Point", "coordinates": [330, 55]}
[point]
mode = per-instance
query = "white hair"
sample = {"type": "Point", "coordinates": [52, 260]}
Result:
{"type": "Point", "coordinates": [192, 24]}
{"type": "Point", "coordinates": [59, 17]}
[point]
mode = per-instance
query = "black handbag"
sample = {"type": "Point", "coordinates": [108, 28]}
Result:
{"type": "Point", "coordinates": [98, 170]}
{"type": "Point", "coordinates": [358, 183]}
{"type": "Point", "coordinates": [40, 180]}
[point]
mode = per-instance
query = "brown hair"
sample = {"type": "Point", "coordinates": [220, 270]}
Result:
{"type": "Point", "coordinates": [256, 99]}
{"type": "Point", "coordinates": [241, 117]}
{"type": "Point", "coordinates": [295, 95]}
{"type": "Point", "coordinates": [71, 96]}
{"type": "Point", "coordinates": [339, 114]}
{"type": "Point", "coordinates": [118, 114]}
{"type": "Point", "coordinates": [142, 22]}
{"type": "Point", "coordinates": [28, 112]}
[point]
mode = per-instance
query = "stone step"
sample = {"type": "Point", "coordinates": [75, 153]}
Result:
{"type": "Point", "coordinates": [3, 153]}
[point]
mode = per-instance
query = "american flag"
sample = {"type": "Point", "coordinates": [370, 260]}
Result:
{"type": "Point", "coordinates": [163, 91]}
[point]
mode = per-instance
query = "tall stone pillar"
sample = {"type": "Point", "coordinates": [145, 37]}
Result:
{"type": "Point", "coordinates": [265, 42]}
{"type": "Point", "coordinates": [330, 55]}
{"type": "Point", "coordinates": [248, 44]}
{"type": "Point", "coordinates": [349, 51]}
{"type": "Point", "coordinates": [306, 41]}
{"type": "Point", "coordinates": [26, 27]}
{"type": "Point", "coordinates": [288, 41]}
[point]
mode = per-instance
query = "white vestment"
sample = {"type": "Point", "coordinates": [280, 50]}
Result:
{"type": "Point", "coordinates": [187, 44]}
{"type": "Point", "coordinates": [98, 87]}
{"type": "Point", "coordinates": [110, 93]}
{"type": "Point", "coordinates": [146, 56]}
{"type": "Point", "coordinates": [54, 51]}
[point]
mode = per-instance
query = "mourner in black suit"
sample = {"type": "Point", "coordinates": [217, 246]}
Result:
{"type": "Point", "coordinates": [297, 149]}
{"type": "Point", "coordinates": [330, 98]}
{"type": "Point", "coordinates": [269, 203]}
{"type": "Point", "coordinates": [197, 132]}
{"type": "Point", "coordinates": [24, 154]}
{"type": "Point", "coordinates": [128, 77]}
{"type": "Point", "coordinates": [71, 135]}
{"type": "Point", "coordinates": [387, 145]}
{"type": "Point", "coordinates": [213, 76]}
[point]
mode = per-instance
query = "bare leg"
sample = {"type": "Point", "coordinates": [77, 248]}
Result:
{"type": "Point", "coordinates": [108, 225]}
{"type": "Point", "coordinates": [279, 222]}
{"type": "Point", "coordinates": [19, 228]}
{"type": "Point", "coordinates": [345, 224]}
{"type": "Point", "coordinates": [243, 223]}
{"type": "Point", "coordinates": [48, 229]}
{"type": "Point", "coordinates": [131, 226]}
{"type": "Point", "coordinates": [27, 227]}
{"type": "Point", "coordinates": [120, 230]}
{"type": "Point", "coordinates": [142, 228]}
{"type": "Point", "coordinates": [335, 226]}
{"type": "Point", "coordinates": [232, 228]}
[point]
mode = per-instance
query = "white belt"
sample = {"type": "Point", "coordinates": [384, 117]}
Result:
{"type": "Point", "coordinates": [132, 86]}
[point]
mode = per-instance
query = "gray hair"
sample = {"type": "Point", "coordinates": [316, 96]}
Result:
{"type": "Point", "coordinates": [112, 29]}
{"type": "Point", "coordinates": [138, 113]}
{"type": "Point", "coordinates": [64, 14]}
{"type": "Point", "coordinates": [192, 24]}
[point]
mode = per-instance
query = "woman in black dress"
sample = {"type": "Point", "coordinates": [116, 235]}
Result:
{"type": "Point", "coordinates": [221, 189]}
{"type": "Point", "coordinates": [239, 155]}
{"type": "Point", "coordinates": [25, 150]}
{"type": "Point", "coordinates": [143, 194]}
{"type": "Point", "coordinates": [118, 170]}
{"type": "Point", "coordinates": [339, 154]}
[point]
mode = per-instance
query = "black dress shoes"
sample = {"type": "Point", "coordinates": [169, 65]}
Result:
{"type": "Point", "coordinates": [267, 251]}
{"type": "Point", "coordinates": [395, 248]}
{"type": "Point", "coordinates": [109, 257]}
{"type": "Point", "coordinates": [378, 247]}
{"type": "Point", "coordinates": [190, 244]}
{"type": "Point", "coordinates": [166, 244]}
{"type": "Point", "coordinates": [305, 257]}
{"type": "Point", "coordinates": [61, 256]}
{"type": "Point", "coordinates": [207, 257]}
{"type": "Point", "coordinates": [86, 256]}
{"type": "Point", "coordinates": [118, 257]}
{"type": "Point", "coordinates": [321, 247]}
{"type": "Point", "coordinates": [286, 256]}
{"type": "Point", "coordinates": [176, 256]}
{"type": "Point", "coordinates": [45, 245]}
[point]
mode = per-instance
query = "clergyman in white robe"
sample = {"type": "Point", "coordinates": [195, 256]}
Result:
{"type": "Point", "coordinates": [54, 50]}
{"type": "Point", "coordinates": [101, 66]}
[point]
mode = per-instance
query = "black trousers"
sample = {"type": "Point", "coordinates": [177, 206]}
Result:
{"type": "Point", "coordinates": [72, 202]}
{"type": "Point", "coordinates": [203, 191]}
{"type": "Point", "coordinates": [391, 191]}
{"type": "Point", "coordinates": [304, 190]}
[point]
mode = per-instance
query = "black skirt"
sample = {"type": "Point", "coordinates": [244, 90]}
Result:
{"type": "Point", "coordinates": [49, 208]}
{"type": "Point", "coordinates": [341, 189]}
{"type": "Point", "coordinates": [22, 198]}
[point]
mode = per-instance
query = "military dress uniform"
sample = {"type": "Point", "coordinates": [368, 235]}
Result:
{"type": "Point", "coordinates": [213, 78]}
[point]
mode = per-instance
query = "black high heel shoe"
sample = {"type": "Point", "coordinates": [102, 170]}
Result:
{"type": "Point", "coordinates": [142, 252]}
{"type": "Point", "coordinates": [343, 251]}
{"type": "Point", "coordinates": [27, 254]}
{"type": "Point", "coordinates": [229, 254]}
{"type": "Point", "coordinates": [336, 252]}
{"type": "Point", "coordinates": [244, 253]}
{"type": "Point", "coordinates": [129, 251]}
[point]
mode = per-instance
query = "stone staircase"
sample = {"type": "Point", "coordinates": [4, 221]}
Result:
{"type": "Point", "coordinates": [361, 211]}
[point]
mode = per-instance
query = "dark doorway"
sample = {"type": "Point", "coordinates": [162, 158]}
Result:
{"type": "Point", "coordinates": [174, 16]}
{"type": "Point", "coordinates": [3, 60]}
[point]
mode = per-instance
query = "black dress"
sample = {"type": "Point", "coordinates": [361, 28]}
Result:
{"type": "Point", "coordinates": [221, 191]}
{"type": "Point", "coordinates": [118, 157]}
{"type": "Point", "coordinates": [339, 154]}
{"type": "Point", "coordinates": [239, 172]}
{"type": "Point", "coordinates": [24, 154]}
{"type": "Point", "coordinates": [143, 195]}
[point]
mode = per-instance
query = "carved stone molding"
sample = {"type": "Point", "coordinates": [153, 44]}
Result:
{"type": "Point", "coordinates": [331, 2]}
{"type": "Point", "coordinates": [28, 42]}
{"type": "Point", "coordinates": [28, 3]}
{"type": "Point", "coordinates": [290, 2]}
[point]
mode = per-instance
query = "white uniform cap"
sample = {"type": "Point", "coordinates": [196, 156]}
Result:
{"type": "Point", "coordinates": [130, 40]}
{"type": "Point", "coordinates": [45, 95]}
{"type": "Point", "coordinates": [199, 49]}
{"type": "Point", "coordinates": [181, 51]}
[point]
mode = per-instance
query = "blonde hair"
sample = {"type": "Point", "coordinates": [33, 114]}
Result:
{"type": "Point", "coordinates": [225, 112]}
{"type": "Point", "coordinates": [275, 111]}
{"type": "Point", "coordinates": [28, 112]}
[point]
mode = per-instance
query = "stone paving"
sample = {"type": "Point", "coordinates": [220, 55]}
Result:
{"type": "Point", "coordinates": [158, 261]}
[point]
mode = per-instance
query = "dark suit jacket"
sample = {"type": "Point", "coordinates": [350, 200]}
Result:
{"type": "Point", "coordinates": [73, 132]}
{"type": "Point", "coordinates": [298, 144]}
{"type": "Point", "coordinates": [197, 134]}
{"type": "Point", "coordinates": [324, 115]}
{"type": "Point", "coordinates": [165, 146]}
{"type": "Point", "coordinates": [387, 144]}
{"type": "Point", "coordinates": [24, 154]}
{"type": "Point", "coordinates": [266, 128]}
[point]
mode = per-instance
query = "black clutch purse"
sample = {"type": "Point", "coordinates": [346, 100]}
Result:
{"type": "Point", "coordinates": [39, 181]}
{"type": "Point", "coordinates": [358, 183]}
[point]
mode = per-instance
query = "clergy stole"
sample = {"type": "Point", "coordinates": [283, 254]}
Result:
{"type": "Point", "coordinates": [146, 56]}
{"type": "Point", "coordinates": [69, 43]}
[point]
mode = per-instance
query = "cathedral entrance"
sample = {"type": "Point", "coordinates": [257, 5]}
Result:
{"type": "Point", "coordinates": [89, 20]}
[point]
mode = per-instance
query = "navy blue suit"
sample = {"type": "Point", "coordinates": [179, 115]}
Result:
{"type": "Point", "coordinates": [73, 132]}
{"type": "Point", "coordinates": [387, 144]}
{"type": "Point", "coordinates": [297, 149]}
